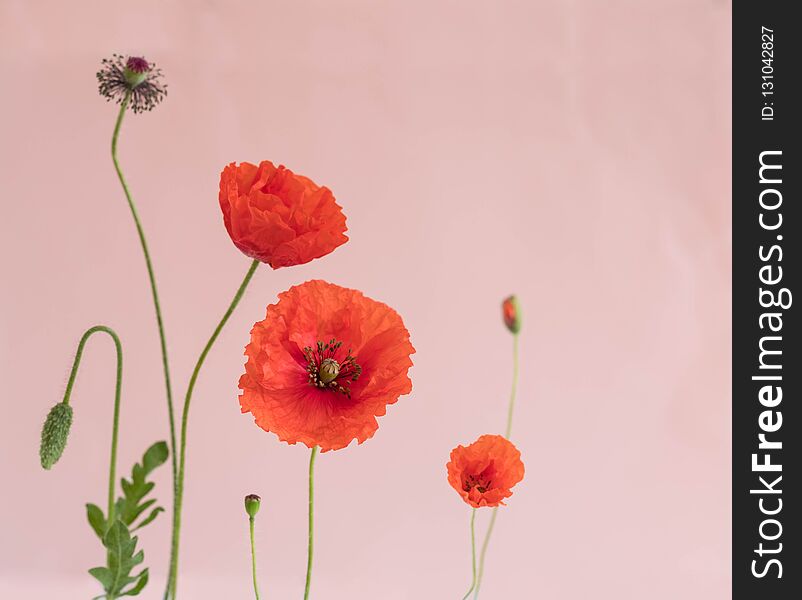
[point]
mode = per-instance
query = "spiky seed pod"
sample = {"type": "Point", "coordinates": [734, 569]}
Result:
{"type": "Point", "coordinates": [55, 432]}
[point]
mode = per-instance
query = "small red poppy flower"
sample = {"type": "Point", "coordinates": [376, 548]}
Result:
{"type": "Point", "coordinates": [278, 217]}
{"type": "Point", "coordinates": [485, 472]}
{"type": "Point", "coordinates": [323, 364]}
{"type": "Point", "coordinates": [511, 313]}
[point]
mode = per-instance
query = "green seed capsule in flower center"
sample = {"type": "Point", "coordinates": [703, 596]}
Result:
{"type": "Point", "coordinates": [133, 78]}
{"type": "Point", "coordinates": [329, 369]}
{"type": "Point", "coordinates": [326, 372]}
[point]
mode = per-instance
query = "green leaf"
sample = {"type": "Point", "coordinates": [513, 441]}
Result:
{"type": "Point", "coordinates": [121, 558]}
{"type": "Point", "coordinates": [142, 508]}
{"type": "Point", "coordinates": [96, 519]}
{"type": "Point", "coordinates": [153, 514]}
{"type": "Point", "coordinates": [132, 504]}
{"type": "Point", "coordinates": [103, 575]}
{"type": "Point", "coordinates": [142, 581]}
{"type": "Point", "coordinates": [122, 555]}
{"type": "Point", "coordinates": [155, 456]}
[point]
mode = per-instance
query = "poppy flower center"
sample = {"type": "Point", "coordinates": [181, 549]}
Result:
{"type": "Point", "coordinates": [137, 64]}
{"type": "Point", "coordinates": [136, 71]}
{"type": "Point", "coordinates": [481, 482]}
{"type": "Point", "coordinates": [328, 369]}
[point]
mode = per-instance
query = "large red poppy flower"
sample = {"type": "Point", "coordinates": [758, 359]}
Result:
{"type": "Point", "coordinates": [278, 217]}
{"type": "Point", "coordinates": [323, 364]}
{"type": "Point", "coordinates": [484, 472]}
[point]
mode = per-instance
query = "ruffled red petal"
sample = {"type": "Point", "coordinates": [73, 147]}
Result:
{"type": "Point", "coordinates": [492, 459]}
{"type": "Point", "coordinates": [275, 386]}
{"type": "Point", "coordinates": [277, 216]}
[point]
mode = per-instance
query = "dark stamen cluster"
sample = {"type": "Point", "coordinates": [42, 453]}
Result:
{"type": "Point", "coordinates": [114, 83]}
{"type": "Point", "coordinates": [348, 369]}
{"type": "Point", "coordinates": [480, 483]}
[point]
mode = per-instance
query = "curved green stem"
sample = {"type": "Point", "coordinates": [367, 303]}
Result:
{"type": "Point", "coordinates": [310, 548]}
{"type": "Point", "coordinates": [473, 554]}
{"type": "Point", "coordinates": [508, 431]}
{"type": "Point", "coordinates": [253, 560]}
{"type": "Point", "coordinates": [115, 428]}
{"type": "Point", "coordinates": [152, 277]}
{"type": "Point", "coordinates": [179, 490]}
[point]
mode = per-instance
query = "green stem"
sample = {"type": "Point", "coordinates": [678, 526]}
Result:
{"type": "Point", "coordinates": [485, 543]}
{"type": "Point", "coordinates": [253, 560]}
{"type": "Point", "coordinates": [152, 277]}
{"type": "Point", "coordinates": [179, 491]}
{"type": "Point", "coordinates": [310, 548]}
{"type": "Point", "coordinates": [510, 410]}
{"type": "Point", "coordinates": [473, 554]}
{"type": "Point", "coordinates": [117, 389]}
{"type": "Point", "coordinates": [514, 389]}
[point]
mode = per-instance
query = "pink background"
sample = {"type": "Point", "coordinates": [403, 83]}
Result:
{"type": "Point", "coordinates": [574, 152]}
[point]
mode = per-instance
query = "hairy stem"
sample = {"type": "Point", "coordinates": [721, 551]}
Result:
{"type": "Point", "coordinates": [508, 431]}
{"type": "Point", "coordinates": [115, 428]}
{"type": "Point", "coordinates": [253, 559]}
{"type": "Point", "coordinates": [310, 547]}
{"type": "Point", "coordinates": [179, 490]}
{"type": "Point", "coordinates": [152, 278]}
{"type": "Point", "coordinates": [473, 554]}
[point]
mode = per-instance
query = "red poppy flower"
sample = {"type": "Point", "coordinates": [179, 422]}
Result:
{"type": "Point", "coordinates": [278, 217]}
{"type": "Point", "coordinates": [485, 472]}
{"type": "Point", "coordinates": [324, 363]}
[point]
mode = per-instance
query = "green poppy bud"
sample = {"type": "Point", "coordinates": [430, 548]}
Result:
{"type": "Point", "coordinates": [55, 432]}
{"type": "Point", "coordinates": [252, 503]}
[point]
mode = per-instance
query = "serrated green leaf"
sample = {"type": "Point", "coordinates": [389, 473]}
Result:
{"type": "Point", "coordinates": [103, 575]}
{"type": "Point", "coordinates": [120, 558]}
{"type": "Point", "coordinates": [153, 514]}
{"type": "Point", "coordinates": [141, 582]}
{"type": "Point", "coordinates": [121, 551]}
{"type": "Point", "coordinates": [141, 508]}
{"type": "Point", "coordinates": [133, 502]}
{"type": "Point", "coordinates": [156, 455]}
{"type": "Point", "coordinates": [96, 519]}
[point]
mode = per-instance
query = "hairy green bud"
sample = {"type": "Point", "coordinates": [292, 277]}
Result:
{"type": "Point", "coordinates": [55, 432]}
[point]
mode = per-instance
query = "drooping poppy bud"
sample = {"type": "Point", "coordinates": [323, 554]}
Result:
{"type": "Point", "coordinates": [55, 432]}
{"type": "Point", "coordinates": [252, 504]}
{"type": "Point", "coordinates": [511, 312]}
